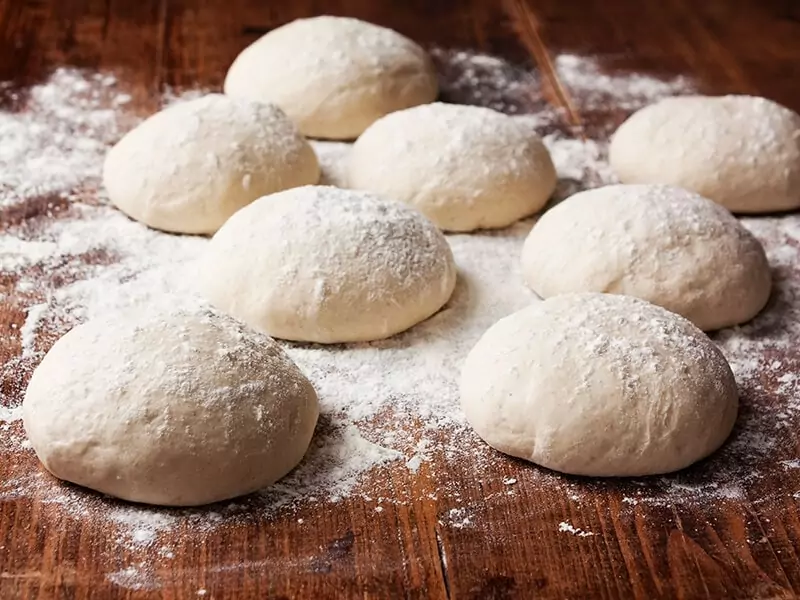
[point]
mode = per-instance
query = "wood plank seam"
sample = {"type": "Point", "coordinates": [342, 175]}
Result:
{"type": "Point", "coordinates": [162, 46]}
{"type": "Point", "coordinates": [440, 551]}
{"type": "Point", "coordinates": [528, 33]}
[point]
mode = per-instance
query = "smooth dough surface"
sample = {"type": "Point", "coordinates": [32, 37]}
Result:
{"type": "Point", "coordinates": [740, 151]}
{"type": "Point", "coordinates": [176, 406]}
{"type": "Point", "coordinates": [334, 76]}
{"type": "Point", "coordinates": [600, 385]}
{"type": "Point", "coordinates": [464, 167]}
{"type": "Point", "coordinates": [323, 264]}
{"type": "Point", "coordinates": [191, 166]}
{"type": "Point", "coordinates": [663, 244]}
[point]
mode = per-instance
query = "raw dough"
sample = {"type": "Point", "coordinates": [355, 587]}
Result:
{"type": "Point", "coordinates": [323, 264]}
{"type": "Point", "coordinates": [740, 151]}
{"type": "Point", "coordinates": [334, 75]}
{"type": "Point", "coordinates": [177, 407]}
{"type": "Point", "coordinates": [464, 167]}
{"type": "Point", "coordinates": [659, 243]}
{"type": "Point", "coordinates": [191, 166]}
{"type": "Point", "coordinates": [601, 385]}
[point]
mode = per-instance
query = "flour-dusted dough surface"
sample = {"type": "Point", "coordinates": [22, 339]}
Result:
{"type": "Point", "coordinates": [191, 166]}
{"type": "Point", "coordinates": [599, 385]}
{"type": "Point", "coordinates": [464, 167]}
{"type": "Point", "coordinates": [176, 406]}
{"type": "Point", "coordinates": [660, 243]}
{"type": "Point", "coordinates": [740, 151]}
{"type": "Point", "coordinates": [323, 264]}
{"type": "Point", "coordinates": [334, 76]}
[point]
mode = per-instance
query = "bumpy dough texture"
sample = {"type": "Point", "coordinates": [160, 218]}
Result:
{"type": "Point", "coordinates": [322, 264]}
{"type": "Point", "coordinates": [463, 167]}
{"type": "Point", "coordinates": [600, 385]}
{"type": "Point", "coordinates": [175, 407]}
{"type": "Point", "coordinates": [334, 76]}
{"type": "Point", "coordinates": [740, 151]}
{"type": "Point", "coordinates": [659, 243]}
{"type": "Point", "coordinates": [191, 166]}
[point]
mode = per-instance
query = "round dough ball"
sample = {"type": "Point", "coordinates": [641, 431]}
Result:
{"type": "Point", "coordinates": [660, 243]}
{"type": "Point", "coordinates": [191, 166]}
{"type": "Point", "coordinates": [463, 167]}
{"type": "Point", "coordinates": [323, 264]}
{"type": "Point", "coordinates": [600, 385]}
{"type": "Point", "coordinates": [740, 151]}
{"type": "Point", "coordinates": [334, 75]}
{"type": "Point", "coordinates": [177, 407]}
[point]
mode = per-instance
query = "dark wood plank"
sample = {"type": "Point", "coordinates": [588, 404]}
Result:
{"type": "Point", "coordinates": [511, 547]}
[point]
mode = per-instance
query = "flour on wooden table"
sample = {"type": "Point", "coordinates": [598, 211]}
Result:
{"type": "Point", "coordinates": [9, 415]}
{"type": "Point", "coordinates": [566, 527]}
{"type": "Point", "coordinates": [469, 78]}
{"type": "Point", "coordinates": [58, 134]}
{"type": "Point", "coordinates": [593, 88]}
{"type": "Point", "coordinates": [332, 158]}
{"type": "Point", "coordinates": [392, 403]}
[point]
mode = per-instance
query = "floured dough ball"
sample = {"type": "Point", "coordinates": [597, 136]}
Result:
{"type": "Point", "coordinates": [334, 75]}
{"type": "Point", "coordinates": [660, 243]}
{"type": "Point", "coordinates": [191, 166]}
{"type": "Point", "coordinates": [322, 264]}
{"type": "Point", "coordinates": [740, 151]}
{"type": "Point", "coordinates": [600, 385]}
{"type": "Point", "coordinates": [177, 407]}
{"type": "Point", "coordinates": [463, 167]}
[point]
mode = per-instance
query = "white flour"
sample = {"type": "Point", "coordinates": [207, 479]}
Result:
{"type": "Point", "coordinates": [58, 139]}
{"type": "Point", "coordinates": [389, 404]}
{"type": "Point", "coordinates": [567, 528]}
{"type": "Point", "coordinates": [593, 89]}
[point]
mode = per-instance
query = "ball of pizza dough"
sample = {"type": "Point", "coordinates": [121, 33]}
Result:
{"type": "Point", "coordinates": [333, 76]}
{"type": "Point", "coordinates": [169, 406]}
{"type": "Point", "coordinates": [601, 385]}
{"type": "Point", "coordinates": [663, 244]}
{"type": "Point", "coordinates": [740, 151]}
{"type": "Point", "coordinates": [463, 167]}
{"type": "Point", "coordinates": [191, 166]}
{"type": "Point", "coordinates": [324, 264]}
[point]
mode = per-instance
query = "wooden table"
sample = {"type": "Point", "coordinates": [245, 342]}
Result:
{"type": "Point", "coordinates": [745, 547]}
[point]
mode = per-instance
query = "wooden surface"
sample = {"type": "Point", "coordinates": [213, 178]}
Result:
{"type": "Point", "coordinates": [743, 548]}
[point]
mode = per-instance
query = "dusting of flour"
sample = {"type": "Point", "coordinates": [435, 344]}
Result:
{"type": "Point", "coordinates": [66, 256]}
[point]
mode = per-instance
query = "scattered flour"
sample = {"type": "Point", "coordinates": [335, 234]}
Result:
{"type": "Point", "coordinates": [66, 256]}
{"type": "Point", "coordinates": [567, 528]}
{"type": "Point", "coordinates": [458, 518]}
{"type": "Point", "coordinates": [595, 89]}
{"type": "Point", "coordinates": [57, 138]}
{"type": "Point", "coordinates": [332, 158]}
{"type": "Point", "coordinates": [27, 333]}
{"type": "Point", "coordinates": [10, 415]}
{"type": "Point", "coordinates": [469, 78]}
{"type": "Point", "coordinates": [135, 577]}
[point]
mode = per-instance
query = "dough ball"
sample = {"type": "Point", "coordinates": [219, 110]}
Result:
{"type": "Point", "coordinates": [191, 166]}
{"type": "Point", "coordinates": [334, 76]}
{"type": "Point", "coordinates": [323, 264]}
{"type": "Point", "coordinates": [177, 407]}
{"type": "Point", "coordinates": [463, 167]}
{"type": "Point", "coordinates": [600, 385]}
{"type": "Point", "coordinates": [660, 243]}
{"type": "Point", "coordinates": [740, 151]}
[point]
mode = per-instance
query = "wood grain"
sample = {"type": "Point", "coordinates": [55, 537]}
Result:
{"type": "Point", "coordinates": [738, 548]}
